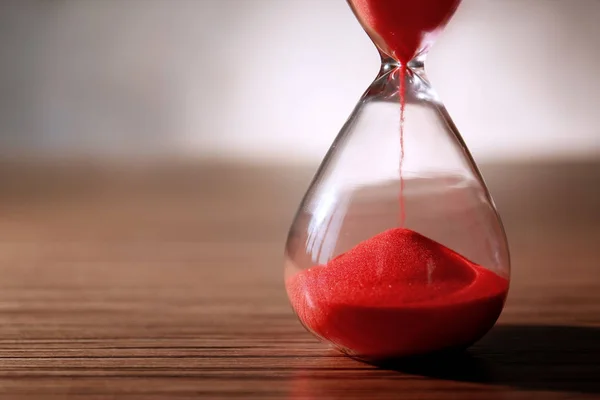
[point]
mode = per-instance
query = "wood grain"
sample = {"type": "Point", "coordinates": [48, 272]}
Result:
{"type": "Point", "coordinates": [152, 282]}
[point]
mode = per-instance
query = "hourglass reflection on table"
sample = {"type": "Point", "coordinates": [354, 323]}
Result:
{"type": "Point", "coordinates": [397, 249]}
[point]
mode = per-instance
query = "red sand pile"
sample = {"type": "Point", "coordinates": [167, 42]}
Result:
{"type": "Point", "coordinates": [398, 294]}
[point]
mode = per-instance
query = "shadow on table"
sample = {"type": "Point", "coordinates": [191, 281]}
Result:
{"type": "Point", "coordinates": [557, 358]}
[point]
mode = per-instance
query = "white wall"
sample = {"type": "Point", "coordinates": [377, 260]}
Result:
{"type": "Point", "coordinates": [277, 78]}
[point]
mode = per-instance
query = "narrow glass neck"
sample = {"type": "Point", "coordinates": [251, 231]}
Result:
{"type": "Point", "coordinates": [388, 83]}
{"type": "Point", "coordinates": [417, 64]}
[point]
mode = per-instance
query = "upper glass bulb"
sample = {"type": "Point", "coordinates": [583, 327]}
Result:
{"type": "Point", "coordinates": [397, 249]}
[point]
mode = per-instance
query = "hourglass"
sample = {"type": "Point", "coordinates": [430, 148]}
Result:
{"type": "Point", "coordinates": [397, 249]}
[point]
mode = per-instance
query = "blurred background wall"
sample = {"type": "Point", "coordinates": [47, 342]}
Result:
{"type": "Point", "coordinates": [275, 79]}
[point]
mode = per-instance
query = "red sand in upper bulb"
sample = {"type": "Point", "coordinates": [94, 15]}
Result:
{"type": "Point", "coordinates": [403, 28]}
{"type": "Point", "coordinates": [398, 294]}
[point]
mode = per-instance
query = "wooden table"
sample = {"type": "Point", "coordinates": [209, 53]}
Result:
{"type": "Point", "coordinates": [152, 282]}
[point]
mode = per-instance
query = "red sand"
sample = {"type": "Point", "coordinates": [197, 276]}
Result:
{"type": "Point", "coordinates": [398, 294]}
{"type": "Point", "coordinates": [403, 28]}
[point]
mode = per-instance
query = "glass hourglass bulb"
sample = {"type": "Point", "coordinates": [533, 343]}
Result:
{"type": "Point", "coordinates": [397, 249]}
